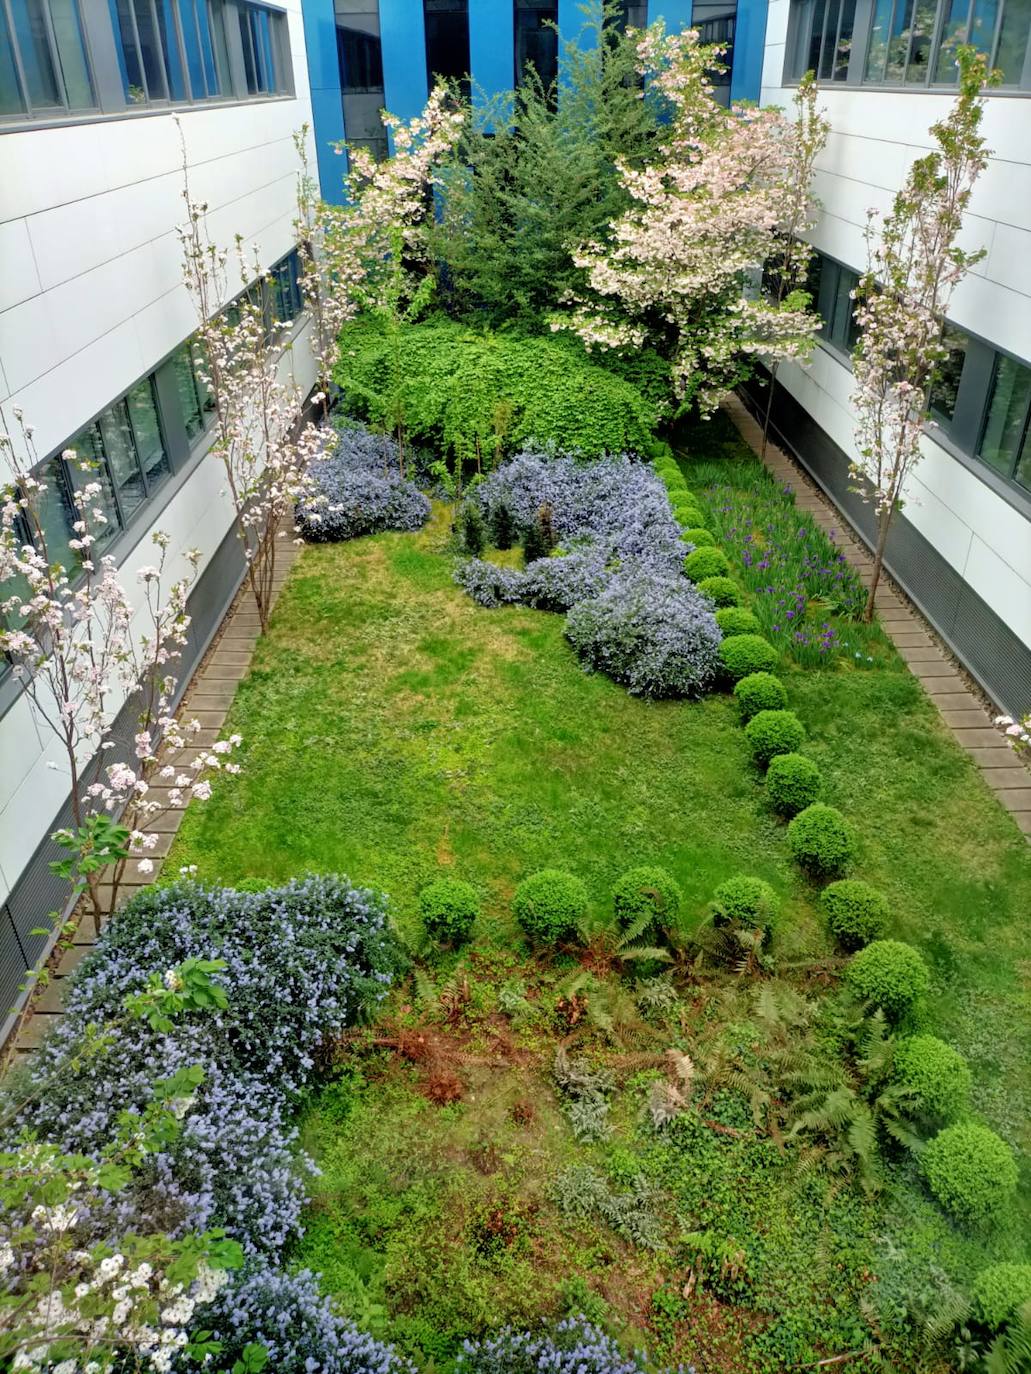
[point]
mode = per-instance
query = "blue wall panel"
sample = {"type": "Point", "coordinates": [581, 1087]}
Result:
{"type": "Point", "coordinates": [404, 56]}
{"type": "Point", "coordinates": [676, 13]}
{"type": "Point", "coordinates": [749, 44]}
{"type": "Point", "coordinates": [320, 41]}
{"type": "Point", "coordinates": [492, 45]}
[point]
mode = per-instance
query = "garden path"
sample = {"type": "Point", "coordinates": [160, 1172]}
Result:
{"type": "Point", "coordinates": [207, 699]}
{"type": "Point", "coordinates": [961, 709]}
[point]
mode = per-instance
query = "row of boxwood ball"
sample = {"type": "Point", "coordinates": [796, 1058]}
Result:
{"type": "Point", "coordinates": [970, 1169]}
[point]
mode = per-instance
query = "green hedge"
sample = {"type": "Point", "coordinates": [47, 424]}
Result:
{"type": "Point", "coordinates": [470, 393]}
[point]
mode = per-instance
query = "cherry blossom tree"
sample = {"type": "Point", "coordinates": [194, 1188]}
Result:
{"type": "Point", "coordinates": [261, 439]}
{"type": "Point", "coordinates": [789, 266]}
{"type": "Point", "coordinates": [915, 262]}
{"type": "Point", "coordinates": [82, 649]}
{"type": "Point", "coordinates": [679, 268]}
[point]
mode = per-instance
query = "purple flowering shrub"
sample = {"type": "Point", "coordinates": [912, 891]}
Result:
{"type": "Point", "coordinates": [655, 633]}
{"type": "Point", "coordinates": [302, 962]}
{"type": "Point", "coordinates": [297, 1326]}
{"type": "Point", "coordinates": [632, 614]}
{"type": "Point", "coordinates": [799, 580]}
{"type": "Point", "coordinates": [573, 1347]}
{"type": "Point", "coordinates": [360, 490]}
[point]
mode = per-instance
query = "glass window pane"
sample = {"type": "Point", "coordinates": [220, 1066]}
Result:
{"type": "Point", "coordinates": [898, 43]}
{"type": "Point", "coordinates": [877, 53]}
{"type": "Point", "coordinates": [122, 462]}
{"type": "Point", "coordinates": [946, 388]}
{"type": "Point", "coordinates": [150, 49]}
{"type": "Point", "coordinates": [447, 41]}
{"type": "Point", "coordinates": [819, 17]}
{"type": "Point", "coordinates": [536, 40]}
{"type": "Point", "coordinates": [1014, 36]}
{"type": "Point", "coordinates": [170, 50]}
{"type": "Point", "coordinates": [982, 27]}
{"type": "Point", "coordinates": [217, 26]}
{"type": "Point", "coordinates": [30, 29]}
{"type": "Point", "coordinates": [57, 514]}
{"type": "Point", "coordinates": [147, 431]}
{"type": "Point", "coordinates": [131, 63]}
{"type": "Point", "coordinates": [954, 33]}
{"type": "Point", "coordinates": [920, 47]}
{"type": "Point", "coordinates": [1007, 415]}
{"type": "Point", "coordinates": [843, 51]}
{"type": "Point", "coordinates": [10, 91]}
{"type": "Point", "coordinates": [71, 55]}
{"type": "Point", "coordinates": [89, 448]}
{"type": "Point", "coordinates": [189, 399]}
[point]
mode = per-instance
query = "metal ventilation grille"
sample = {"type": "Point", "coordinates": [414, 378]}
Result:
{"type": "Point", "coordinates": [37, 892]}
{"type": "Point", "coordinates": [984, 643]}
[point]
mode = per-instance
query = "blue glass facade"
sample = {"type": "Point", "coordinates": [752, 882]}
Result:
{"type": "Point", "coordinates": [400, 29]}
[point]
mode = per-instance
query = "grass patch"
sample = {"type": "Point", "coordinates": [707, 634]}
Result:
{"type": "Point", "coordinates": [395, 731]}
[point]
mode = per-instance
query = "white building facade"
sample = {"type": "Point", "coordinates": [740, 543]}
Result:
{"type": "Point", "coordinates": [100, 108]}
{"type": "Point", "coordinates": [962, 548]}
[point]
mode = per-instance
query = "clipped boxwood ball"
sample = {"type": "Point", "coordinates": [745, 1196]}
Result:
{"type": "Point", "coordinates": [721, 591]}
{"type": "Point", "coordinates": [820, 838]}
{"type": "Point", "coordinates": [760, 692]}
{"type": "Point", "coordinates": [937, 1075]}
{"type": "Point", "coordinates": [745, 901]}
{"type": "Point", "coordinates": [856, 912]}
{"type": "Point", "coordinates": [706, 563]}
{"type": "Point", "coordinates": [647, 892]}
{"type": "Point", "coordinates": [998, 1292]}
{"type": "Point", "coordinates": [773, 732]}
{"type": "Point", "coordinates": [549, 904]}
{"type": "Point", "coordinates": [890, 974]}
{"type": "Point", "coordinates": [699, 536]}
{"type": "Point", "coordinates": [745, 654]}
{"type": "Point", "coordinates": [685, 511]}
{"type": "Point", "coordinates": [673, 479]}
{"type": "Point", "coordinates": [736, 620]}
{"type": "Point", "coordinates": [971, 1171]}
{"type": "Point", "coordinates": [449, 907]}
{"type": "Point", "coordinates": [793, 782]}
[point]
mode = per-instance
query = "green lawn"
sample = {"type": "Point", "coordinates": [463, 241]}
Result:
{"type": "Point", "coordinates": [393, 730]}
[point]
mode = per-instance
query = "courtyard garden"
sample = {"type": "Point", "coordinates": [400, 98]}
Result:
{"type": "Point", "coordinates": [585, 948]}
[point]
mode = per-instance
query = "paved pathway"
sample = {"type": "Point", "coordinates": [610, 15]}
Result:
{"type": "Point", "coordinates": [960, 709]}
{"type": "Point", "coordinates": [207, 699]}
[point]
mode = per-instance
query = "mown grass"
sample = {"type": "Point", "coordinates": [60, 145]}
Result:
{"type": "Point", "coordinates": [392, 730]}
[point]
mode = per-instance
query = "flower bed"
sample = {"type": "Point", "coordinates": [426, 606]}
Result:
{"type": "Point", "coordinates": [359, 488]}
{"type": "Point", "coordinates": [301, 962]}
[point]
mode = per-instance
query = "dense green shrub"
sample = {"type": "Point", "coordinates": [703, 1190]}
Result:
{"type": "Point", "coordinates": [706, 563]}
{"type": "Point", "coordinates": [475, 394]}
{"type": "Point", "coordinates": [745, 901]}
{"type": "Point", "coordinates": [937, 1075]}
{"type": "Point", "coordinates": [721, 591]}
{"type": "Point", "coordinates": [736, 620]}
{"type": "Point", "coordinates": [793, 782]}
{"type": "Point", "coordinates": [820, 838]}
{"type": "Point", "coordinates": [759, 692]}
{"type": "Point", "coordinates": [971, 1171]}
{"type": "Point", "coordinates": [549, 904]}
{"type": "Point", "coordinates": [773, 732]}
{"type": "Point", "coordinates": [856, 912]}
{"type": "Point", "coordinates": [999, 1291]}
{"type": "Point", "coordinates": [449, 907]}
{"type": "Point", "coordinates": [743, 655]}
{"type": "Point", "coordinates": [890, 974]}
{"type": "Point", "coordinates": [687, 515]}
{"type": "Point", "coordinates": [699, 536]}
{"type": "Point", "coordinates": [647, 893]}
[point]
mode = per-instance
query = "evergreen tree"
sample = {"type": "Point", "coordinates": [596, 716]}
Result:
{"type": "Point", "coordinates": [502, 527]}
{"type": "Point", "coordinates": [534, 546]}
{"type": "Point", "coordinates": [548, 536]}
{"type": "Point", "coordinates": [474, 533]}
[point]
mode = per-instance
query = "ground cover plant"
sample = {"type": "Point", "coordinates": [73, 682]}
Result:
{"type": "Point", "coordinates": [713, 1167]}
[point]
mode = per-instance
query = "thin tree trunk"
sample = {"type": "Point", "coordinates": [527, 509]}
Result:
{"type": "Point", "coordinates": [878, 559]}
{"type": "Point", "coordinates": [769, 408]}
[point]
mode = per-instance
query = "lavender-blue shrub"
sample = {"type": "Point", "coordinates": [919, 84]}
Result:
{"type": "Point", "coordinates": [360, 490]}
{"type": "Point", "coordinates": [573, 1347]}
{"type": "Point", "coordinates": [651, 631]}
{"type": "Point", "coordinates": [490, 584]}
{"type": "Point", "coordinates": [297, 1326]}
{"type": "Point", "coordinates": [559, 582]}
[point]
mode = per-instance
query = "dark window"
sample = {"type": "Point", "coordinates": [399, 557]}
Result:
{"type": "Point", "coordinates": [720, 30]}
{"type": "Point", "coordinates": [1005, 445]}
{"type": "Point", "coordinates": [447, 41]}
{"type": "Point", "coordinates": [536, 40]}
{"type": "Point", "coordinates": [194, 397]}
{"type": "Point", "coordinates": [43, 64]}
{"type": "Point", "coordinates": [835, 304]}
{"type": "Point", "coordinates": [631, 14]}
{"type": "Point", "coordinates": [361, 60]}
{"type": "Point", "coordinates": [945, 391]}
{"type": "Point", "coordinates": [127, 452]}
{"type": "Point", "coordinates": [285, 288]}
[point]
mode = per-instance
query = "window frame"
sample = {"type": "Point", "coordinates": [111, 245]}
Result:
{"type": "Point", "coordinates": [65, 109]}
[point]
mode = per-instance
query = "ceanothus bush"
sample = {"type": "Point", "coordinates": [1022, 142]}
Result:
{"type": "Point", "coordinates": [359, 490]}
{"type": "Point", "coordinates": [573, 1347]}
{"type": "Point", "coordinates": [651, 631]}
